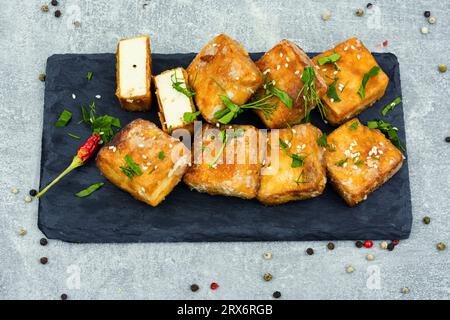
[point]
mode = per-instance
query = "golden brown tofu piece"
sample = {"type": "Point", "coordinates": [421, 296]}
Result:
{"type": "Point", "coordinates": [346, 76]}
{"type": "Point", "coordinates": [284, 65]}
{"type": "Point", "coordinates": [144, 161]}
{"type": "Point", "coordinates": [359, 160]}
{"type": "Point", "coordinates": [230, 169]}
{"type": "Point", "coordinates": [222, 67]}
{"type": "Point", "coordinates": [295, 166]}
{"type": "Point", "coordinates": [133, 73]}
{"type": "Point", "coordinates": [173, 103]}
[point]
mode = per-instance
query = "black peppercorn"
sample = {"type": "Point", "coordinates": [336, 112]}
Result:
{"type": "Point", "coordinates": [426, 220]}
{"type": "Point", "coordinates": [358, 244]}
{"type": "Point", "coordinates": [427, 14]}
{"type": "Point", "coordinates": [44, 260]}
{"type": "Point", "coordinates": [447, 139]}
{"type": "Point", "coordinates": [54, 3]}
{"type": "Point", "coordinates": [43, 242]}
{"type": "Point", "coordinates": [194, 288]}
{"type": "Point", "coordinates": [310, 251]}
{"type": "Point", "coordinates": [391, 246]}
{"type": "Point", "coordinates": [42, 77]}
{"type": "Point", "coordinates": [64, 296]}
{"type": "Point", "coordinates": [57, 13]}
{"type": "Point", "coordinates": [33, 192]}
{"type": "Point", "coordinates": [277, 294]}
{"type": "Point", "coordinates": [369, 5]}
{"type": "Point", "coordinates": [330, 246]}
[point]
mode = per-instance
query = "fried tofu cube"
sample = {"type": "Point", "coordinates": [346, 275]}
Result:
{"type": "Point", "coordinates": [295, 166]}
{"type": "Point", "coordinates": [134, 73]}
{"type": "Point", "coordinates": [283, 65]}
{"type": "Point", "coordinates": [359, 160]}
{"type": "Point", "coordinates": [144, 161]}
{"type": "Point", "coordinates": [226, 162]}
{"type": "Point", "coordinates": [345, 77]}
{"type": "Point", "coordinates": [222, 67]}
{"type": "Point", "coordinates": [173, 103]}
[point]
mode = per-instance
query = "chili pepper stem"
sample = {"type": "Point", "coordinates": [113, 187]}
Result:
{"type": "Point", "coordinates": [76, 162]}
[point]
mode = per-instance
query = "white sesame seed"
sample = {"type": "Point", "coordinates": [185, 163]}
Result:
{"type": "Point", "coordinates": [287, 59]}
{"type": "Point", "coordinates": [335, 72]}
{"type": "Point", "coordinates": [237, 78]}
{"type": "Point", "coordinates": [297, 72]}
{"type": "Point", "coordinates": [358, 57]}
{"type": "Point", "coordinates": [144, 168]}
{"type": "Point", "coordinates": [214, 44]}
{"type": "Point", "coordinates": [98, 96]}
{"type": "Point", "coordinates": [353, 47]}
{"type": "Point", "coordinates": [14, 190]}
{"type": "Point", "coordinates": [144, 156]}
{"type": "Point", "coordinates": [170, 146]}
{"type": "Point", "coordinates": [278, 67]}
{"type": "Point", "coordinates": [286, 65]}
{"type": "Point", "coordinates": [281, 54]}
{"type": "Point", "coordinates": [331, 100]}
{"type": "Point", "coordinates": [74, 96]}
{"type": "Point", "coordinates": [155, 167]}
{"type": "Point", "coordinates": [346, 48]}
{"type": "Point", "coordinates": [266, 71]}
{"type": "Point", "coordinates": [148, 164]}
{"type": "Point", "coordinates": [140, 145]}
{"type": "Point", "coordinates": [324, 69]}
{"type": "Point", "coordinates": [28, 199]}
{"type": "Point", "coordinates": [294, 131]}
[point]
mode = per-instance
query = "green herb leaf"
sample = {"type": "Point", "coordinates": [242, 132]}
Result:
{"type": "Point", "coordinates": [180, 85]}
{"type": "Point", "coordinates": [341, 163]}
{"type": "Point", "coordinates": [161, 155]}
{"type": "Point", "coordinates": [391, 106]}
{"type": "Point", "coordinates": [297, 160]}
{"type": "Point", "coordinates": [283, 145]}
{"type": "Point", "coordinates": [271, 89]}
{"type": "Point", "coordinates": [301, 178]}
{"type": "Point", "coordinates": [354, 125]}
{"type": "Point", "coordinates": [132, 169]}
{"type": "Point", "coordinates": [89, 190]}
{"type": "Point", "coordinates": [372, 73]}
{"type": "Point", "coordinates": [104, 126]}
{"type": "Point", "coordinates": [388, 130]}
{"type": "Point", "coordinates": [332, 92]}
{"type": "Point", "coordinates": [232, 110]}
{"type": "Point", "coordinates": [189, 117]}
{"type": "Point", "coordinates": [322, 141]}
{"type": "Point", "coordinates": [358, 163]}
{"type": "Point", "coordinates": [89, 75]}
{"type": "Point", "coordinates": [64, 119]}
{"type": "Point", "coordinates": [309, 93]}
{"type": "Point", "coordinates": [73, 136]}
{"type": "Point", "coordinates": [332, 58]}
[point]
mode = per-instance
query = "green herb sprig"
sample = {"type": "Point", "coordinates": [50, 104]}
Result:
{"type": "Point", "coordinates": [353, 126]}
{"type": "Point", "coordinates": [224, 138]}
{"type": "Point", "coordinates": [89, 75]}
{"type": "Point", "coordinates": [104, 125]}
{"type": "Point", "coordinates": [297, 159]}
{"type": "Point", "coordinates": [89, 190]}
{"type": "Point", "coordinates": [309, 93]}
{"type": "Point", "coordinates": [132, 169]}
{"type": "Point", "coordinates": [271, 89]}
{"type": "Point", "coordinates": [388, 130]}
{"type": "Point", "coordinates": [372, 73]}
{"type": "Point", "coordinates": [391, 106]}
{"type": "Point", "coordinates": [180, 85]}
{"type": "Point", "coordinates": [232, 110]}
{"type": "Point", "coordinates": [301, 178]}
{"type": "Point", "coordinates": [341, 163]}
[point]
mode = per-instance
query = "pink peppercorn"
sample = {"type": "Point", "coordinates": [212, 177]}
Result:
{"type": "Point", "coordinates": [385, 43]}
{"type": "Point", "coordinates": [368, 244]}
{"type": "Point", "coordinates": [214, 286]}
{"type": "Point", "coordinates": [395, 242]}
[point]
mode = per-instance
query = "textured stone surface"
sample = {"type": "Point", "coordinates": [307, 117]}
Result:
{"type": "Point", "coordinates": [28, 37]}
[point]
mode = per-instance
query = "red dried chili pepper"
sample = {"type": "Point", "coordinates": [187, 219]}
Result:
{"type": "Point", "coordinates": [84, 153]}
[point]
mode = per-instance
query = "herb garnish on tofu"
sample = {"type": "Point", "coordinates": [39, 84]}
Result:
{"type": "Point", "coordinates": [389, 130]}
{"type": "Point", "coordinates": [272, 90]}
{"type": "Point", "coordinates": [297, 159]}
{"type": "Point", "coordinates": [332, 58]}
{"type": "Point", "coordinates": [309, 93]}
{"type": "Point", "coordinates": [132, 169]}
{"type": "Point", "coordinates": [342, 162]}
{"type": "Point", "coordinates": [189, 117]}
{"type": "Point", "coordinates": [372, 73]}
{"type": "Point", "coordinates": [232, 110]}
{"type": "Point", "coordinates": [181, 86]}
{"type": "Point", "coordinates": [332, 93]}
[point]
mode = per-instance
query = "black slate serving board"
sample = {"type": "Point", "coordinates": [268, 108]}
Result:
{"type": "Point", "coordinates": [111, 215]}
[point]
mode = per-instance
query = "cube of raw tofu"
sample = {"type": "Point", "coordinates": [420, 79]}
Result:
{"type": "Point", "coordinates": [222, 67]}
{"type": "Point", "coordinates": [295, 166]}
{"type": "Point", "coordinates": [134, 73]}
{"type": "Point", "coordinates": [359, 160]}
{"type": "Point", "coordinates": [172, 103]}
{"type": "Point", "coordinates": [230, 169]}
{"type": "Point", "coordinates": [144, 161]}
{"type": "Point", "coordinates": [346, 77]}
{"type": "Point", "coordinates": [284, 65]}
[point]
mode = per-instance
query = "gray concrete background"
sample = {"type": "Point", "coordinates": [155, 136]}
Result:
{"type": "Point", "coordinates": [164, 271]}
